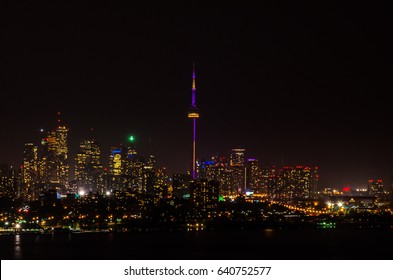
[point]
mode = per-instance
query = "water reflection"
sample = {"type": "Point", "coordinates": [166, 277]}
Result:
{"type": "Point", "coordinates": [268, 232]}
{"type": "Point", "coordinates": [18, 247]}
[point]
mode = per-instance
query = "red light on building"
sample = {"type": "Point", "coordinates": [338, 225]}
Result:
{"type": "Point", "coordinates": [346, 189]}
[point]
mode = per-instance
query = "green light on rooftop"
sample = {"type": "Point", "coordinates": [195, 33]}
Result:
{"type": "Point", "coordinates": [131, 138]}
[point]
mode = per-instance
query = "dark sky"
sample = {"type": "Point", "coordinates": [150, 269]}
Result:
{"type": "Point", "coordinates": [293, 84]}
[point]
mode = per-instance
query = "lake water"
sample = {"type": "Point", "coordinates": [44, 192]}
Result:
{"type": "Point", "coordinates": [292, 244]}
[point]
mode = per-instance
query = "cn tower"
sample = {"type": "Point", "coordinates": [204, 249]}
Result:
{"type": "Point", "coordinates": [193, 114]}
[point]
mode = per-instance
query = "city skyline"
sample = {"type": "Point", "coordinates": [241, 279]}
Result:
{"type": "Point", "coordinates": [294, 85]}
{"type": "Point", "coordinates": [104, 157]}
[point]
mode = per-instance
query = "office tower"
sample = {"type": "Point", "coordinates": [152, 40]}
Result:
{"type": "Point", "coordinates": [29, 172]}
{"type": "Point", "coordinates": [155, 181]}
{"type": "Point", "coordinates": [8, 181]}
{"type": "Point", "coordinates": [89, 173]}
{"type": "Point", "coordinates": [302, 181]}
{"type": "Point", "coordinates": [375, 188]}
{"type": "Point", "coordinates": [43, 155]}
{"type": "Point", "coordinates": [62, 156]}
{"type": "Point", "coordinates": [237, 157]}
{"type": "Point", "coordinates": [217, 169]}
{"type": "Point", "coordinates": [51, 161]}
{"type": "Point", "coordinates": [53, 166]}
{"type": "Point", "coordinates": [181, 186]}
{"type": "Point", "coordinates": [115, 169]}
{"type": "Point", "coordinates": [204, 199]}
{"type": "Point", "coordinates": [207, 170]}
{"type": "Point", "coordinates": [272, 182]}
{"type": "Point", "coordinates": [291, 183]}
{"type": "Point", "coordinates": [237, 167]}
{"type": "Point", "coordinates": [133, 168]}
{"type": "Point", "coordinates": [253, 176]}
{"type": "Point", "coordinates": [148, 179]}
{"type": "Point", "coordinates": [193, 114]}
{"type": "Point", "coordinates": [264, 179]}
{"type": "Point", "coordinates": [314, 182]}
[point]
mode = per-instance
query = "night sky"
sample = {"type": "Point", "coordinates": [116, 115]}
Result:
{"type": "Point", "coordinates": [292, 84]}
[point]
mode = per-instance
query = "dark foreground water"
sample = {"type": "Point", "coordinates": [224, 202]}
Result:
{"type": "Point", "coordinates": [296, 244]}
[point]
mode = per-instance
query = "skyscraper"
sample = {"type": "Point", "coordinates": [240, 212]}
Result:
{"type": "Point", "coordinates": [62, 155]}
{"type": "Point", "coordinates": [375, 188]}
{"type": "Point", "coordinates": [193, 114]}
{"type": "Point", "coordinates": [237, 157]}
{"type": "Point", "coordinates": [181, 186]}
{"type": "Point", "coordinates": [133, 168]}
{"type": "Point", "coordinates": [237, 167]}
{"type": "Point", "coordinates": [115, 169]}
{"type": "Point", "coordinates": [8, 181]}
{"type": "Point", "coordinates": [253, 178]}
{"type": "Point", "coordinates": [88, 167]}
{"type": "Point", "coordinates": [29, 172]}
{"type": "Point", "coordinates": [204, 199]}
{"type": "Point", "coordinates": [53, 167]}
{"type": "Point", "coordinates": [291, 183]}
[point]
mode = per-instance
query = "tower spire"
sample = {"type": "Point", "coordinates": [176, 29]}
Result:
{"type": "Point", "coordinates": [193, 104]}
{"type": "Point", "coordinates": [193, 114]}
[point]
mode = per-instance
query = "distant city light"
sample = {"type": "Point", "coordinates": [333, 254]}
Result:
{"type": "Point", "coordinates": [131, 138]}
{"type": "Point", "coordinates": [81, 193]}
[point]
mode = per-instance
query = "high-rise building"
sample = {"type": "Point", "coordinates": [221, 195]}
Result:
{"type": "Point", "coordinates": [375, 188]}
{"type": "Point", "coordinates": [207, 170]}
{"type": "Point", "coordinates": [89, 173]}
{"type": "Point", "coordinates": [62, 156]}
{"type": "Point", "coordinates": [272, 182]}
{"type": "Point", "coordinates": [253, 176]}
{"type": "Point", "coordinates": [237, 157]}
{"type": "Point", "coordinates": [155, 182]}
{"type": "Point", "coordinates": [133, 169]}
{"type": "Point", "coordinates": [218, 169]}
{"type": "Point", "coordinates": [29, 172]}
{"type": "Point", "coordinates": [204, 199]}
{"type": "Point", "coordinates": [8, 181]}
{"type": "Point", "coordinates": [237, 167]}
{"type": "Point", "coordinates": [314, 182]}
{"type": "Point", "coordinates": [181, 186]}
{"type": "Point", "coordinates": [53, 166]}
{"type": "Point", "coordinates": [291, 183]}
{"type": "Point", "coordinates": [115, 169]}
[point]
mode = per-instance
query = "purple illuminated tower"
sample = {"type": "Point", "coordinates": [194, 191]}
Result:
{"type": "Point", "coordinates": [193, 114]}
